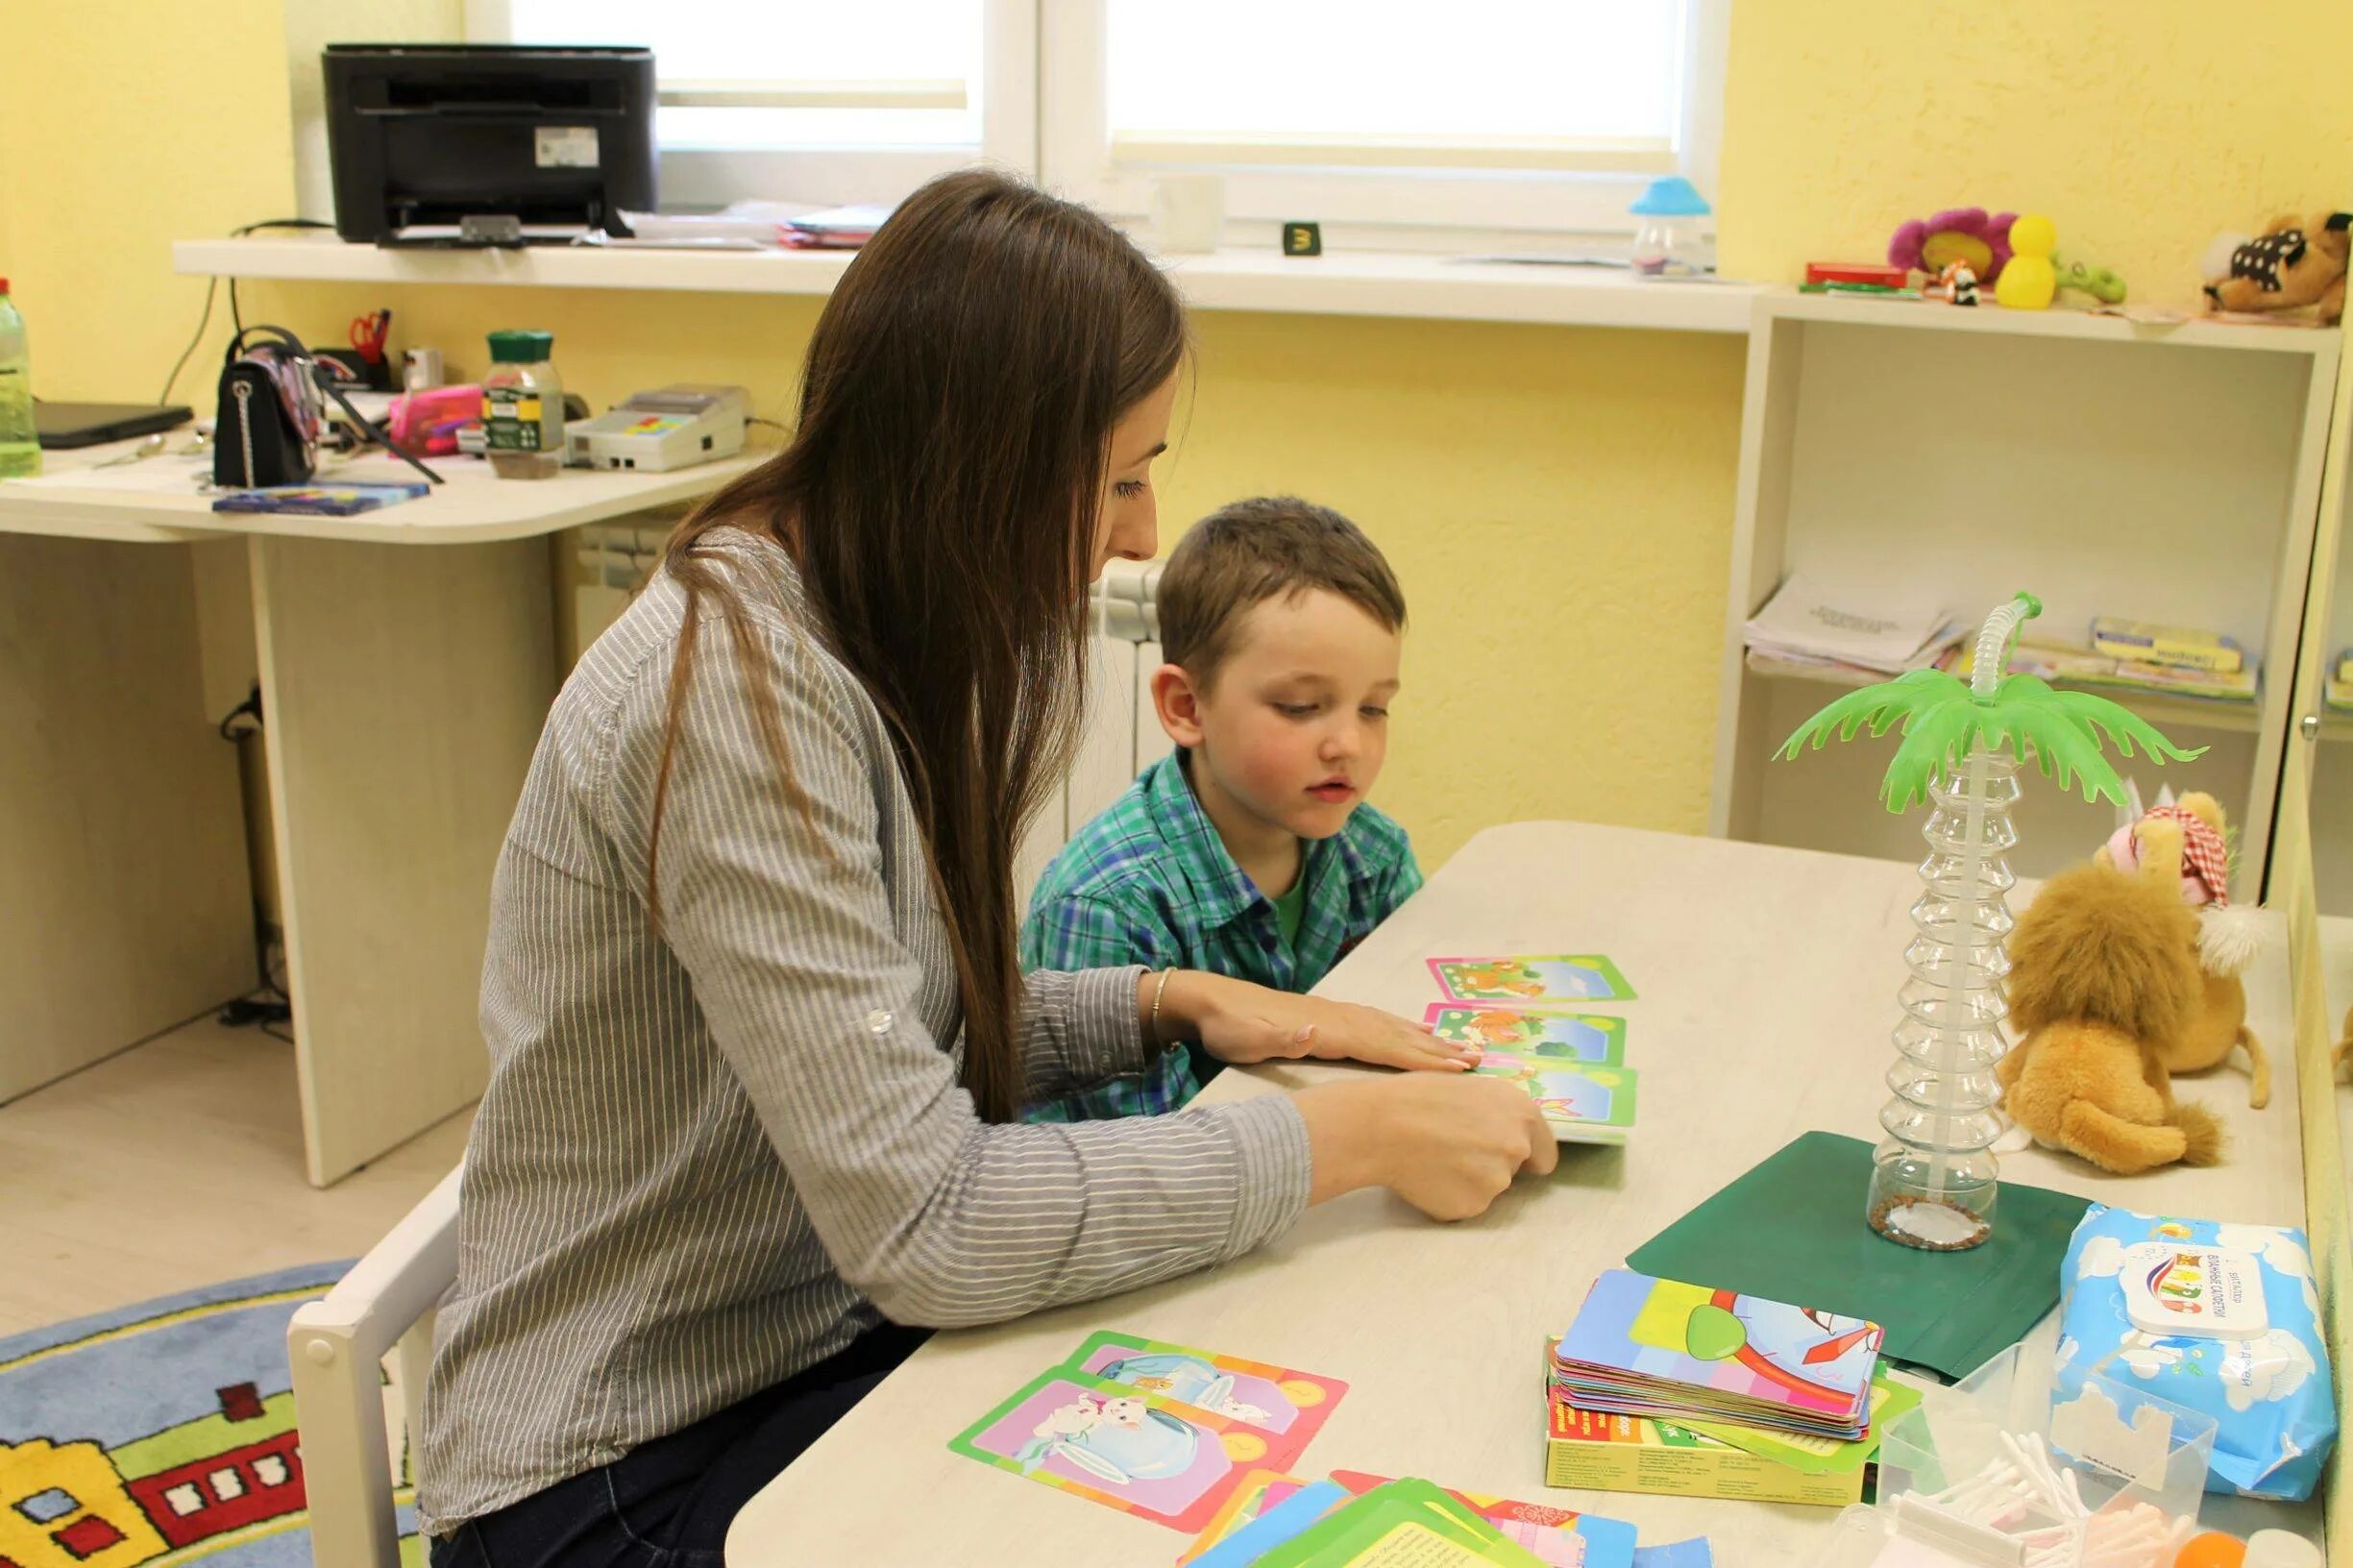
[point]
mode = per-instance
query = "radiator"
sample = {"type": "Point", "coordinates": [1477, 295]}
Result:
{"type": "Point", "coordinates": [1120, 737]}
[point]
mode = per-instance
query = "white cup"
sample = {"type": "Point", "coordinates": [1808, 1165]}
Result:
{"type": "Point", "coordinates": [1188, 211]}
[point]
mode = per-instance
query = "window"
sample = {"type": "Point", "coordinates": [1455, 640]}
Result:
{"type": "Point", "coordinates": [185, 1498]}
{"type": "Point", "coordinates": [810, 99]}
{"type": "Point", "coordinates": [43, 1506]}
{"type": "Point", "coordinates": [270, 1470]}
{"type": "Point", "coordinates": [227, 1484]}
{"type": "Point", "coordinates": [1387, 115]}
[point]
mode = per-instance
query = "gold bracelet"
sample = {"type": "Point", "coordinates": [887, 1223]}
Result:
{"type": "Point", "coordinates": [1158, 992]}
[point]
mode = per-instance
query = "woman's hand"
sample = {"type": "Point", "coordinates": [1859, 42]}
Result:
{"type": "Point", "coordinates": [1241, 1022]}
{"type": "Point", "coordinates": [1449, 1146]}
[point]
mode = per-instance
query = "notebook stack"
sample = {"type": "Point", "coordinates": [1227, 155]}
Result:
{"type": "Point", "coordinates": [1664, 1386]}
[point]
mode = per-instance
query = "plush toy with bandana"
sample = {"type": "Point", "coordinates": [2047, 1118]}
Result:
{"type": "Point", "coordinates": [2194, 829]}
{"type": "Point", "coordinates": [2294, 263]}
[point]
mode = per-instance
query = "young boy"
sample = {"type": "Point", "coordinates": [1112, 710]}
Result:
{"type": "Point", "coordinates": [1248, 852]}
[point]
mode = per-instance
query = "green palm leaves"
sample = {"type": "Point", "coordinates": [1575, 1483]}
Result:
{"type": "Point", "coordinates": [1941, 721]}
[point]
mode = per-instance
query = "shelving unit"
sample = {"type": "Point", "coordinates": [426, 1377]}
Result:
{"type": "Point", "coordinates": [2165, 473]}
{"type": "Point", "coordinates": [1350, 284]}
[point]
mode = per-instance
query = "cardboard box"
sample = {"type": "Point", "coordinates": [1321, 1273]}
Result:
{"type": "Point", "coordinates": [1630, 1454]}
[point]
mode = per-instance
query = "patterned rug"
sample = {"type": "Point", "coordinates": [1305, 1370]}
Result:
{"type": "Point", "coordinates": [161, 1433]}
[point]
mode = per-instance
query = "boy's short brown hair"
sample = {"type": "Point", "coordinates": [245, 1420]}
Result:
{"type": "Point", "coordinates": [1244, 553]}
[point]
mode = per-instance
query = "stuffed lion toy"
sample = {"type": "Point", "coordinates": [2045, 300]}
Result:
{"type": "Point", "coordinates": [2292, 264]}
{"type": "Point", "coordinates": [2104, 981]}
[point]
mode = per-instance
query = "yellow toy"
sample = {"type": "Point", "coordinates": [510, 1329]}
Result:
{"type": "Point", "coordinates": [2031, 279]}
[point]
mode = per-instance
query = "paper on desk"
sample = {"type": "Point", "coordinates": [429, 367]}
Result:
{"type": "Point", "coordinates": [160, 476]}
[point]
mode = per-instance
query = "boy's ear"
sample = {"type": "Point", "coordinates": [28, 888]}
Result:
{"type": "Point", "coordinates": [1178, 704]}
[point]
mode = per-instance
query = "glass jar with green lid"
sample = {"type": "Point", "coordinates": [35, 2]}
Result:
{"type": "Point", "coordinates": [523, 406]}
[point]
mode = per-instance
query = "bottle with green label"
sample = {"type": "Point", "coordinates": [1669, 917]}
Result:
{"type": "Point", "coordinates": [20, 451]}
{"type": "Point", "coordinates": [523, 406]}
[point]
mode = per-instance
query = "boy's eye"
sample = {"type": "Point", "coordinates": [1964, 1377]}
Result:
{"type": "Point", "coordinates": [1371, 711]}
{"type": "Point", "coordinates": [1295, 710]}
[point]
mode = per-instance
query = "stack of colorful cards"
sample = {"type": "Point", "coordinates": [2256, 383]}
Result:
{"type": "Point", "coordinates": [1155, 1430]}
{"type": "Point", "coordinates": [1686, 1352]}
{"type": "Point", "coordinates": [1354, 1520]}
{"type": "Point", "coordinates": [1573, 1064]}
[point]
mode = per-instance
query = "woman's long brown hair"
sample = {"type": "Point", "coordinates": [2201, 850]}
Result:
{"type": "Point", "coordinates": [940, 496]}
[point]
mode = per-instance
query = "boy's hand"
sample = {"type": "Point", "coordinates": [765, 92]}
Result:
{"type": "Point", "coordinates": [1241, 1022]}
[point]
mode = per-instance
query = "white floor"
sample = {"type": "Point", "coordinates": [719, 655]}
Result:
{"type": "Point", "coordinates": [179, 1164]}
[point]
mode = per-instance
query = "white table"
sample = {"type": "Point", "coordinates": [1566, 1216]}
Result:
{"type": "Point", "coordinates": [1768, 979]}
{"type": "Point", "coordinates": [402, 690]}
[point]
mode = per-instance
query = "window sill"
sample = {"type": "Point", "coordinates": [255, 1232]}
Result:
{"type": "Point", "coordinates": [1361, 283]}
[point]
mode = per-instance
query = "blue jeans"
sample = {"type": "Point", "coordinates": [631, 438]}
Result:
{"type": "Point", "coordinates": [668, 1503]}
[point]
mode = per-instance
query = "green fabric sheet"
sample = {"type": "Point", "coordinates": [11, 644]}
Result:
{"type": "Point", "coordinates": [1793, 1230]}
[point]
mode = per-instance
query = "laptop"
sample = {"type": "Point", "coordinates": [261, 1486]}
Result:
{"type": "Point", "coordinates": [66, 424]}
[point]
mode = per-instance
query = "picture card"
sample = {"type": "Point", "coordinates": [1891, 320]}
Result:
{"type": "Point", "coordinates": [1558, 978]}
{"type": "Point", "coordinates": [1549, 1034]}
{"type": "Point", "coordinates": [1288, 1406]}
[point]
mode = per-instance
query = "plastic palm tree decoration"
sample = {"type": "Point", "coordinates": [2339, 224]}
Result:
{"type": "Point", "coordinates": [1933, 1177]}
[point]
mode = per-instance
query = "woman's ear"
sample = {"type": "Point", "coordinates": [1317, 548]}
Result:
{"type": "Point", "coordinates": [1178, 703]}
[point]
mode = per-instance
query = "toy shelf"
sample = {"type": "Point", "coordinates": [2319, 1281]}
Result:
{"type": "Point", "coordinates": [2167, 474]}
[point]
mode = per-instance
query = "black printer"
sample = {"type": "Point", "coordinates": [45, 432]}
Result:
{"type": "Point", "coordinates": [479, 144]}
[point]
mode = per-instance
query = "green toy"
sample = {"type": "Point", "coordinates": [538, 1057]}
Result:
{"type": "Point", "coordinates": [2101, 282]}
{"type": "Point", "coordinates": [1934, 1176]}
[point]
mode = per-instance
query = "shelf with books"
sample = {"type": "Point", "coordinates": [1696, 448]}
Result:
{"type": "Point", "coordinates": [2159, 708]}
{"type": "Point", "coordinates": [1884, 462]}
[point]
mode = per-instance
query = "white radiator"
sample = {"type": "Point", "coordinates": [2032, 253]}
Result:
{"type": "Point", "coordinates": [1121, 737]}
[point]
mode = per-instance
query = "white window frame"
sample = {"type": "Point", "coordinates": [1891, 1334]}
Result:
{"type": "Point", "coordinates": [694, 178]}
{"type": "Point", "coordinates": [1494, 199]}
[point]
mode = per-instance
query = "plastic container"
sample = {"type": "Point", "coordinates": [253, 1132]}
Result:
{"type": "Point", "coordinates": [523, 407]}
{"type": "Point", "coordinates": [1933, 1179]}
{"type": "Point", "coordinates": [2133, 1468]}
{"type": "Point", "coordinates": [20, 446]}
{"type": "Point", "coordinates": [1673, 241]}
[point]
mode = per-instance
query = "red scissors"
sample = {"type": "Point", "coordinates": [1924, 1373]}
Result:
{"type": "Point", "coordinates": [368, 333]}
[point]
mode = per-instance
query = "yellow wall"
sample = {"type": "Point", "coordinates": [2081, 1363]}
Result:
{"type": "Point", "coordinates": [2142, 130]}
{"type": "Point", "coordinates": [1557, 503]}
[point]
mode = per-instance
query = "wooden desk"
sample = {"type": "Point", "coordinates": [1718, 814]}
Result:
{"type": "Point", "coordinates": [1768, 979]}
{"type": "Point", "coordinates": [402, 690]}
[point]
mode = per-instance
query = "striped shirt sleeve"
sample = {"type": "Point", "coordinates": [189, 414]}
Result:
{"type": "Point", "coordinates": [776, 908]}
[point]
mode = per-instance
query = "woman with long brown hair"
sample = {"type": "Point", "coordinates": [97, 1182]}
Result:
{"type": "Point", "coordinates": [757, 1032]}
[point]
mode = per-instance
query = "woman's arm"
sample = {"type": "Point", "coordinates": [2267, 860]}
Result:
{"type": "Point", "coordinates": [776, 908]}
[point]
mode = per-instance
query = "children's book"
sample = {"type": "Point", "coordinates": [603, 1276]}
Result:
{"type": "Point", "coordinates": [319, 499]}
{"type": "Point", "coordinates": [1515, 979]}
{"type": "Point", "coordinates": [1642, 1346]}
{"type": "Point", "coordinates": [1548, 1033]}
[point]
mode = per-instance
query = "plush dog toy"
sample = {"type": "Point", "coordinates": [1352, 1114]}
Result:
{"type": "Point", "coordinates": [2295, 262]}
{"type": "Point", "coordinates": [2104, 979]}
{"type": "Point", "coordinates": [2190, 833]}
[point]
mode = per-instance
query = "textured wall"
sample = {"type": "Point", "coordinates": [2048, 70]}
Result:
{"type": "Point", "coordinates": [2141, 130]}
{"type": "Point", "coordinates": [1557, 504]}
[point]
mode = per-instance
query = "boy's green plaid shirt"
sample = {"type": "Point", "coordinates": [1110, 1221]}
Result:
{"type": "Point", "coordinates": [1149, 882]}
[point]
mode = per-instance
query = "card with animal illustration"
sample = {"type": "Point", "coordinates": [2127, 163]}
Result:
{"type": "Point", "coordinates": [1558, 978]}
{"type": "Point", "coordinates": [1111, 1443]}
{"type": "Point", "coordinates": [1285, 1405]}
{"type": "Point", "coordinates": [1550, 1034]}
{"type": "Point", "coordinates": [1580, 1104]}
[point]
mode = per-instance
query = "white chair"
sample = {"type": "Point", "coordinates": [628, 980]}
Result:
{"type": "Point", "coordinates": [384, 1306]}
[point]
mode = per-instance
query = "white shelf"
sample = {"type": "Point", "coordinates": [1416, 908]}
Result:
{"type": "Point", "coordinates": [2059, 321]}
{"type": "Point", "coordinates": [1345, 284]}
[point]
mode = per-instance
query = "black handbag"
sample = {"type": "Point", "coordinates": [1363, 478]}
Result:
{"type": "Point", "coordinates": [273, 410]}
{"type": "Point", "coordinates": [266, 430]}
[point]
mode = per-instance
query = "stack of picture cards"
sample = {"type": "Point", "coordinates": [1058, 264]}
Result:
{"type": "Point", "coordinates": [1156, 1429]}
{"type": "Point", "coordinates": [1526, 1016]}
{"type": "Point", "coordinates": [1686, 1352]}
